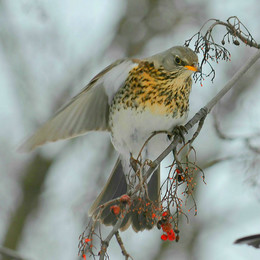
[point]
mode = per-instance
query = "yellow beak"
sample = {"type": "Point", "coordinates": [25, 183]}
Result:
{"type": "Point", "coordinates": [193, 68]}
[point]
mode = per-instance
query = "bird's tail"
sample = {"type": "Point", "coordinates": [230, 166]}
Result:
{"type": "Point", "coordinates": [142, 211]}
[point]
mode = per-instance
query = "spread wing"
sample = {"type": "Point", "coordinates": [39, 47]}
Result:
{"type": "Point", "coordinates": [88, 111]}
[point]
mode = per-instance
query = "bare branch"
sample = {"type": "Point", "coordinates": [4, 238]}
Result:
{"type": "Point", "coordinates": [120, 242]}
{"type": "Point", "coordinates": [180, 171]}
{"type": "Point", "coordinates": [198, 117]}
{"type": "Point", "coordinates": [214, 52]}
{"type": "Point", "coordinates": [202, 113]}
{"type": "Point", "coordinates": [234, 79]}
{"type": "Point", "coordinates": [105, 243]}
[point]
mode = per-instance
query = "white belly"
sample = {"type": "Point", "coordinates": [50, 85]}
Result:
{"type": "Point", "coordinates": [130, 130]}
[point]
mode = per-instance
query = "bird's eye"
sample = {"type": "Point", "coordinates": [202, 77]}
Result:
{"type": "Point", "coordinates": [178, 60]}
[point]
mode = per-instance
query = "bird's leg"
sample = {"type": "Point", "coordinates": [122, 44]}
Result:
{"type": "Point", "coordinates": [138, 168]}
{"type": "Point", "coordinates": [134, 163]}
{"type": "Point", "coordinates": [179, 130]}
{"type": "Point", "coordinates": [150, 163]}
{"type": "Point", "coordinates": [143, 183]}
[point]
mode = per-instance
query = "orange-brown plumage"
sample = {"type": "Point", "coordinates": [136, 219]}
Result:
{"type": "Point", "coordinates": [156, 90]}
{"type": "Point", "coordinates": [131, 99]}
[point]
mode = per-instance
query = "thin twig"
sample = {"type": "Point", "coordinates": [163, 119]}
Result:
{"type": "Point", "coordinates": [195, 135]}
{"type": "Point", "coordinates": [198, 117]}
{"type": "Point", "coordinates": [105, 243]}
{"type": "Point", "coordinates": [219, 133]}
{"type": "Point", "coordinates": [202, 113]}
{"type": "Point", "coordinates": [120, 242]}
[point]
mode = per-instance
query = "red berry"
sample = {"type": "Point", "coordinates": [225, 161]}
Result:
{"type": "Point", "coordinates": [178, 170]}
{"type": "Point", "coordinates": [115, 209]}
{"type": "Point", "coordinates": [171, 238]}
{"type": "Point", "coordinates": [165, 214]}
{"type": "Point", "coordinates": [170, 232]}
{"type": "Point", "coordinates": [125, 199]}
{"type": "Point", "coordinates": [171, 235]}
{"type": "Point", "coordinates": [87, 240]}
{"type": "Point", "coordinates": [164, 237]}
{"type": "Point", "coordinates": [167, 227]}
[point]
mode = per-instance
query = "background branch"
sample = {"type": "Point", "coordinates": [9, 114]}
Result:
{"type": "Point", "coordinates": [233, 80]}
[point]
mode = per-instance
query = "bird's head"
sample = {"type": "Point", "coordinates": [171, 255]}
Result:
{"type": "Point", "coordinates": [177, 58]}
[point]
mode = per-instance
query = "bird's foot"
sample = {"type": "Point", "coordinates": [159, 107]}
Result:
{"type": "Point", "coordinates": [150, 163]}
{"type": "Point", "coordinates": [134, 163]}
{"type": "Point", "coordinates": [180, 130]}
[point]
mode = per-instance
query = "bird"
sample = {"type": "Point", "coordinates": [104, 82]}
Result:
{"type": "Point", "coordinates": [131, 99]}
{"type": "Point", "coordinates": [252, 240]}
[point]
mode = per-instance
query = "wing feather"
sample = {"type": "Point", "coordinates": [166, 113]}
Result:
{"type": "Point", "coordinates": [88, 111]}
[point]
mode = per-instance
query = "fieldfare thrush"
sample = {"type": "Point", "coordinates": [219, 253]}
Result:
{"type": "Point", "coordinates": [131, 98]}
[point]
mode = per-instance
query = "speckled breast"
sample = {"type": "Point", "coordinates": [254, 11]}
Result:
{"type": "Point", "coordinates": [159, 91]}
{"type": "Point", "coordinates": [151, 99]}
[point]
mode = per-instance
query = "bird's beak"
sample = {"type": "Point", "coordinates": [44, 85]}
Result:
{"type": "Point", "coordinates": [195, 68]}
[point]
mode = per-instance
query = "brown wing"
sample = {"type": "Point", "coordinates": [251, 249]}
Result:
{"type": "Point", "coordinates": [88, 111]}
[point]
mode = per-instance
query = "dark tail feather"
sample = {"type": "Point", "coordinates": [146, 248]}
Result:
{"type": "Point", "coordinates": [141, 211]}
{"type": "Point", "coordinates": [115, 187]}
{"type": "Point", "coordinates": [145, 210]}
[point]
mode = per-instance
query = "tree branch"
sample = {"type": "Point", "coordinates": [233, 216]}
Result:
{"type": "Point", "coordinates": [120, 242]}
{"type": "Point", "coordinates": [203, 113]}
{"type": "Point", "coordinates": [234, 79]}
{"type": "Point", "coordinates": [105, 243]}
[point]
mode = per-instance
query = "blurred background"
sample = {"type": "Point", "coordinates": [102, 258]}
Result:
{"type": "Point", "coordinates": [49, 50]}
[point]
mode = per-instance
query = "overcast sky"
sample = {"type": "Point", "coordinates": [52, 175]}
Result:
{"type": "Point", "coordinates": [43, 45]}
